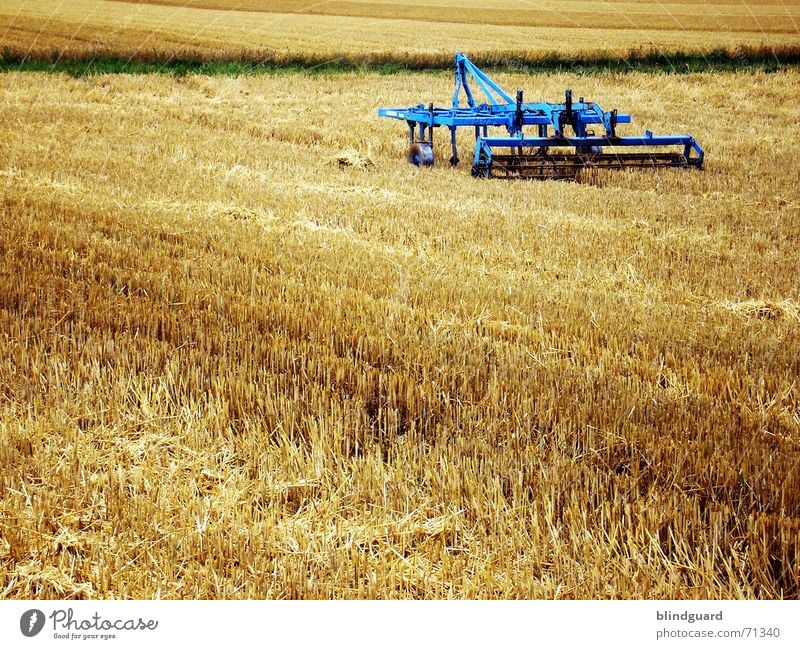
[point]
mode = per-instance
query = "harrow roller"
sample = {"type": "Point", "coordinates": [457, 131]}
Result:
{"type": "Point", "coordinates": [567, 167]}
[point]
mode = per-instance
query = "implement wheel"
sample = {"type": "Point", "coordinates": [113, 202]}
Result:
{"type": "Point", "coordinates": [421, 154]}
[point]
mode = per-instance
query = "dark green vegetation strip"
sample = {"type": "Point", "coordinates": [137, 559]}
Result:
{"type": "Point", "coordinates": [719, 60]}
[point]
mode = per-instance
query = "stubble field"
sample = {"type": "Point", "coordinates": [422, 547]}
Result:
{"type": "Point", "coordinates": [246, 351]}
{"type": "Point", "coordinates": [413, 31]}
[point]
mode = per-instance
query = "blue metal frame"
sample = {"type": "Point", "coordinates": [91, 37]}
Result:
{"type": "Point", "coordinates": [588, 145]}
{"type": "Point", "coordinates": [501, 110]}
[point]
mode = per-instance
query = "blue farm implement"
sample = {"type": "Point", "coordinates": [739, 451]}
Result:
{"type": "Point", "coordinates": [564, 145]}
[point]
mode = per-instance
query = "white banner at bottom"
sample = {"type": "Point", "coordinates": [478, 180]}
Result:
{"type": "Point", "coordinates": [399, 624]}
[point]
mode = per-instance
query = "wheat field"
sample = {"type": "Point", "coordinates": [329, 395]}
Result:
{"type": "Point", "coordinates": [384, 29]}
{"type": "Point", "coordinates": [248, 352]}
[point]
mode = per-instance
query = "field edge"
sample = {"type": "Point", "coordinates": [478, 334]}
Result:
{"type": "Point", "coordinates": [109, 61]}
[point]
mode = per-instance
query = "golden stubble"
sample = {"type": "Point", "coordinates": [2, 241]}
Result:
{"type": "Point", "coordinates": [248, 352]}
